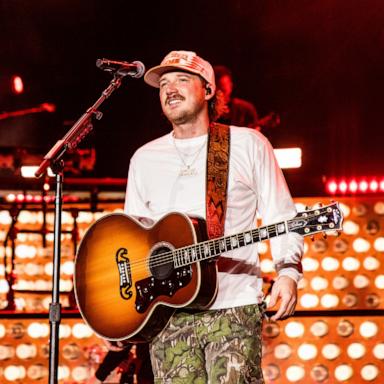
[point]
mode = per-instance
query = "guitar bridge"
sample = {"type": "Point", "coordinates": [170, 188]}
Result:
{"type": "Point", "coordinates": [124, 268]}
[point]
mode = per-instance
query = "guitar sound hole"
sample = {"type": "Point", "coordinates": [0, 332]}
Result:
{"type": "Point", "coordinates": [161, 263]}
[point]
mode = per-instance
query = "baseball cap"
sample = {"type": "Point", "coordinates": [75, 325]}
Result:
{"type": "Point", "coordinates": [185, 61]}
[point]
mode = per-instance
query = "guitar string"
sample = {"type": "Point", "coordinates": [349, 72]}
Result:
{"type": "Point", "coordinates": [168, 256]}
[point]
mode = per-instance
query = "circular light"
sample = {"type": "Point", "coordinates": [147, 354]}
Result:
{"type": "Point", "coordinates": [294, 329]}
{"type": "Point", "coordinates": [361, 245]}
{"type": "Point", "coordinates": [307, 351]}
{"type": "Point", "coordinates": [345, 209]}
{"type": "Point", "coordinates": [352, 186]}
{"type": "Point", "coordinates": [343, 186]}
{"type": "Point", "coordinates": [295, 373]}
{"type": "Point", "coordinates": [81, 331]}
{"type": "Point", "coordinates": [4, 287]}
{"type": "Point", "coordinates": [372, 300]}
{"type": "Point", "coordinates": [379, 244]}
{"type": "Point", "coordinates": [310, 264]}
{"type": "Point", "coordinates": [26, 351]}
{"type": "Point", "coordinates": [351, 227]}
{"type": "Point", "coordinates": [64, 331]}
{"type": "Point", "coordinates": [372, 227]}
{"type": "Point", "coordinates": [340, 282]}
{"type": "Point", "coordinates": [271, 372]}
{"type": "Point", "coordinates": [379, 281]}
{"type": "Point", "coordinates": [351, 264]}
{"type": "Point", "coordinates": [319, 373]}
{"type": "Point", "coordinates": [329, 300]}
{"type": "Point", "coordinates": [368, 329]}
{"type": "Point", "coordinates": [319, 328]}
{"type": "Point", "coordinates": [267, 266]}
{"type": "Point", "coordinates": [37, 330]}
{"type": "Point", "coordinates": [331, 351]}
{"type": "Point", "coordinates": [344, 328]}
{"type": "Point", "coordinates": [282, 351]}
{"type": "Point", "coordinates": [68, 268]}
{"type": "Point", "coordinates": [48, 268]}
{"type": "Point", "coordinates": [378, 351]}
{"type": "Point", "coordinates": [332, 187]}
{"type": "Point", "coordinates": [319, 283]}
{"type": "Point", "coordinates": [350, 300]}
{"type": "Point", "coordinates": [369, 372]}
{"type": "Point", "coordinates": [14, 372]}
{"type": "Point", "coordinates": [379, 208]}
{"type": "Point", "coordinates": [360, 281]}
{"type": "Point", "coordinates": [308, 300]}
{"type": "Point", "coordinates": [356, 350]}
{"type": "Point", "coordinates": [371, 263]}
{"type": "Point", "coordinates": [6, 352]}
{"type": "Point", "coordinates": [330, 264]}
{"type": "Point", "coordinates": [373, 186]}
{"type": "Point", "coordinates": [363, 186]}
{"type": "Point", "coordinates": [343, 372]}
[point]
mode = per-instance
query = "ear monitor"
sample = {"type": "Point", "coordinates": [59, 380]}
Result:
{"type": "Point", "coordinates": [208, 91]}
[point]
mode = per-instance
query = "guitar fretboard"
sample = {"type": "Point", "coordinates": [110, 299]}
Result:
{"type": "Point", "coordinates": [212, 248]}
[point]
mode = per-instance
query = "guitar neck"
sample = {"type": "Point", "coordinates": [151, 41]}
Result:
{"type": "Point", "coordinates": [213, 248]}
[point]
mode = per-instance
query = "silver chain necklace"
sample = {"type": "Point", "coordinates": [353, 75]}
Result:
{"type": "Point", "coordinates": [187, 169]}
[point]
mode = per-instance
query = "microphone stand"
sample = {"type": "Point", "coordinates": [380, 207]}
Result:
{"type": "Point", "coordinates": [54, 160]}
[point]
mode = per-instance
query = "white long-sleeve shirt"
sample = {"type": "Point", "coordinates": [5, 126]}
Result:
{"type": "Point", "coordinates": [255, 184]}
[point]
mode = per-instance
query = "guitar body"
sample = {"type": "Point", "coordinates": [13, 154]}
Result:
{"type": "Point", "coordinates": [126, 284]}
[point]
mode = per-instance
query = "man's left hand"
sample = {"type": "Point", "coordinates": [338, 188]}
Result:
{"type": "Point", "coordinates": [284, 289]}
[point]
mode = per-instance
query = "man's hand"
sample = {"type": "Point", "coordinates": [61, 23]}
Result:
{"type": "Point", "coordinates": [284, 289]}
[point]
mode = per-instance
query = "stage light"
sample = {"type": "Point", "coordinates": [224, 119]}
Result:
{"type": "Point", "coordinates": [331, 351]}
{"type": "Point", "coordinates": [356, 351]}
{"type": "Point", "coordinates": [26, 351]}
{"type": "Point", "coordinates": [319, 373]}
{"type": "Point", "coordinates": [330, 264]}
{"type": "Point", "coordinates": [308, 300]}
{"type": "Point", "coordinates": [369, 372]}
{"type": "Point", "coordinates": [361, 245]}
{"type": "Point", "coordinates": [340, 282]}
{"type": "Point", "coordinates": [319, 283]}
{"type": "Point", "coordinates": [283, 351]}
{"type": "Point", "coordinates": [368, 329]}
{"type": "Point", "coordinates": [288, 157]}
{"type": "Point", "coordinates": [343, 372]}
{"type": "Point", "coordinates": [28, 171]}
{"type": "Point", "coordinates": [351, 264]}
{"type": "Point", "coordinates": [351, 227]}
{"type": "Point", "coordinates": [294, 329]}
{"type": "Point", "coordinates": [329, 300]}
{"type": "Point", "coordinates": [379, 244]}
{"type": "Point", "coordinates": [344, 328]}
{"type": "Point", "coordinates": [343, 186]}
{"type": "Point", "coordinates": [14, 372]}
{"type": "Point", "coordinates": [307, 351]}
{"type": "Point", "coordinates": [310, 264]}
{"type": "Point", "coordinates": [332, 187]}
{"type": "Point", "coordinates": [295, 373]}
{"type": "Point", "coordinates": [319, 328]}
{"type": "Point", "coordinates": [378, 351]}
{"type": "Point", "coordinates": [17, 84]}
{"type": "Point", "coordinates": [361, 281]}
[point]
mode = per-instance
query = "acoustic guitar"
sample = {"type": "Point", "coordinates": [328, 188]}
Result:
{"type": "Point", "coordinates": [129, 279]}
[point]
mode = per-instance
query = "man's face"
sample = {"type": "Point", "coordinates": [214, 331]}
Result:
{"type": "Point", "coordinates": [182, 96]}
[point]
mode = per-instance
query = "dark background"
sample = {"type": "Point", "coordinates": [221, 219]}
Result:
{"type": "Point", "coordinates": [318, 63]}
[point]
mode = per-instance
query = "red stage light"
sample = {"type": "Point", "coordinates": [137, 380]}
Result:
{"type": "Point", "coordinates": [355, 185]}
{"type": "Point", "coordinates": [17, 84]}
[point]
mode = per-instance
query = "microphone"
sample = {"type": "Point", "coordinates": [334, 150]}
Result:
{"type": "Point", "coordinates": [135, 69]}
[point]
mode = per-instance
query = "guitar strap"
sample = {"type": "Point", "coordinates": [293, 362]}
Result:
{"type": "Point", "coordinates": [217, 179]}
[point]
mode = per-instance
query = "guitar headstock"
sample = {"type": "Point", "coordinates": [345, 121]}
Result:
{"type": "Point", "coordinates": [328, 218]}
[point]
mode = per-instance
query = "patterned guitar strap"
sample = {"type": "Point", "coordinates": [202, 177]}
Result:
{"type": "Point", "coordinates": [217, 179]}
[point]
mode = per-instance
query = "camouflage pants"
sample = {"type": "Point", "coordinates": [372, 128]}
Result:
{"type": "Point", "coordinates": [215, 347]}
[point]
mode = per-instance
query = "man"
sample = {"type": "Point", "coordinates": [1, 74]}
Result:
{"type": "Point", "coordinates": [223, 343]}
{"type": "Point", "coordinates": [239, 112]}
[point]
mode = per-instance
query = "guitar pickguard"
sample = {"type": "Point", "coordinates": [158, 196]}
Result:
{"type": "Point", "coordinates": [151, 288]}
